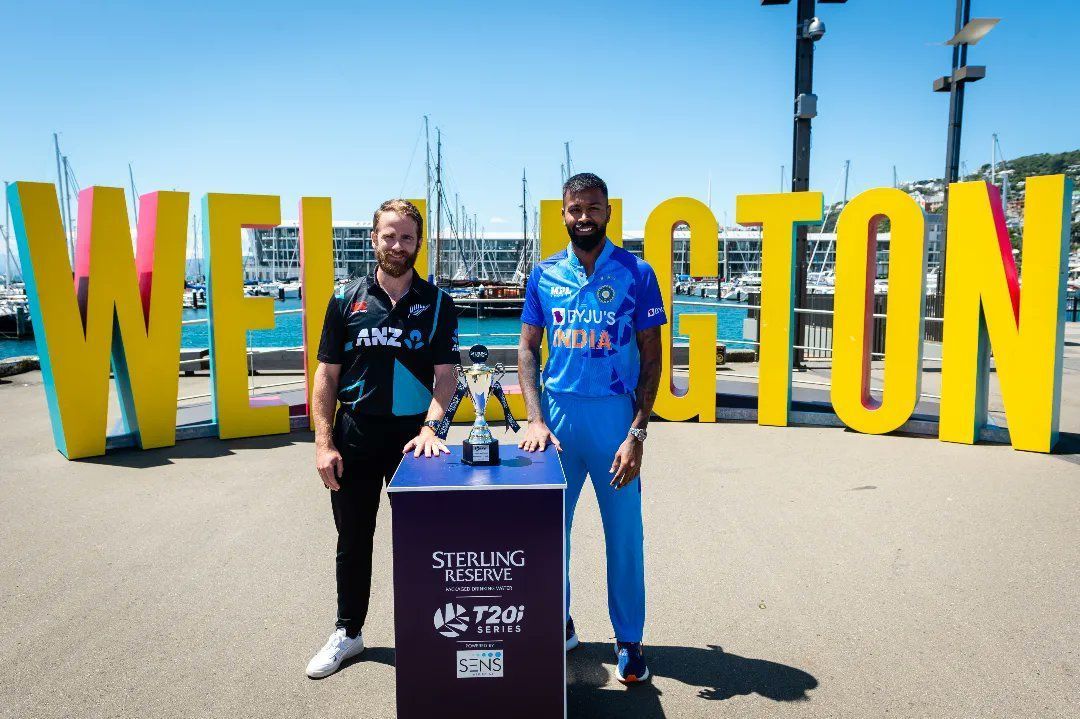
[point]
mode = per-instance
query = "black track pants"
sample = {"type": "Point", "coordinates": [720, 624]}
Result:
{"type": "Point", "coordinates": [371, 449]}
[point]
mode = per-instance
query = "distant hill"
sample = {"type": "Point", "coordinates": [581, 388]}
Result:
{"type": "Point", "coordinates": [929, 193]}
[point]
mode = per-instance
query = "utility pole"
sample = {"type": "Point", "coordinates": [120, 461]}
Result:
{"type": "Point", "coordinates": [436, 244]}
{"type": "Point", "coordinates": [895, 184]}
{"type": "Point", "coordinates": [782, 175]}
{"type": "Point", "coordinates": [808, 30]}
{"type": "Point", "coordinates": [134, 195]}
{"type": "Point", "coordinates": [966, 32]}
{"type": "Point", "coordinates": [569, 166]}
{"type": "Point", "coordinates": [805, 111]}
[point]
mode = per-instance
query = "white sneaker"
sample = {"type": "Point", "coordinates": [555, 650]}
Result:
{"type": "Point", "coordinates": [339, 647]}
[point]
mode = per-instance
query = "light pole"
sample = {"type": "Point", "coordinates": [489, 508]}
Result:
{"type": "Point", "coordinates": [808, 30]}
{"type": "Point", "coordinates": [967, 32]}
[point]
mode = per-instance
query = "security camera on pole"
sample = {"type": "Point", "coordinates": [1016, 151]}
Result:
{"type": "Point", "coordinates": [808, 30]}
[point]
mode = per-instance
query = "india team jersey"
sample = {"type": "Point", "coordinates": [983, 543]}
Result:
{"type": "Point", "coordinates": [592, 322]}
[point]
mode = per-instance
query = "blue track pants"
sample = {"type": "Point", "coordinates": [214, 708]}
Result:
{"type": "Point", "coordinates": [590, 430]}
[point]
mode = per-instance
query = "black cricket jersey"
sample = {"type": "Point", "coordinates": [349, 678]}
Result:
{"type": "Point", "coordinates": [388, 352]}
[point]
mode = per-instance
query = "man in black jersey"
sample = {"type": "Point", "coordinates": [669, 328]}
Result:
{"type": "Point", "coordinates": [388, 350]}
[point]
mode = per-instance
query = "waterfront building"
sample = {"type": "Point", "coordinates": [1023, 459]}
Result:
{"type": "Point", "coordinates": [273, 254]}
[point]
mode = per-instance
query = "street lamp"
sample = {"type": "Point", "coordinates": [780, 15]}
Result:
{"type": "Point", "coordinates": [968, 31]}
{"type": "Point", "coordinates": [808, 30]}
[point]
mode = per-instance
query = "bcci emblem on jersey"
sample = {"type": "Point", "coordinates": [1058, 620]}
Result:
{"type": "Point", "coordinates": [605, 294]}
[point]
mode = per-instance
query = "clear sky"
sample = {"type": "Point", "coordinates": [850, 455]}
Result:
{"type": "Point", "coordinates": [313, 98]}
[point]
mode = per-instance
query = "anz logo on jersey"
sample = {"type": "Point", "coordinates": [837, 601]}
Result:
{"type": "Point", "coordinates": [388, 337]}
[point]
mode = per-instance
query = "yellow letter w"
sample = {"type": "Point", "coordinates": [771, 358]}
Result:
{"type": "Point", "coordinates": [122, 305]}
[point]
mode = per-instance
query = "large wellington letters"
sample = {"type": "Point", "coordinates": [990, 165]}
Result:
{"type": "Point", "coordinates": [123, 308]}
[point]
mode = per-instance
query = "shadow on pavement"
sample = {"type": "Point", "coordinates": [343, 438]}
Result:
{"type": "Point", "coordinates": [376, 655]}
{"type": "Point", "coordinates": [715, 673]}
{"type": "Point", "coordinates": [1068, 443]}
{"type": "Point", "coordinates": [204, 448]}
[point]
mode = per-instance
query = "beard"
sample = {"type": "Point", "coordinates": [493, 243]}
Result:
{"type": "Point", "coordinates": [395, 266]}
{"type": "Point", "coordinates": [588, 240]}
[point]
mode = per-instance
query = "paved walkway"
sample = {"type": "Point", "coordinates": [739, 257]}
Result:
{"type": "Point", "coordinates": [792, 572]}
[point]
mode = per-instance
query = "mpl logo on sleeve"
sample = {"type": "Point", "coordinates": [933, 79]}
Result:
{"type": "Point", "coordinates": [480, 664]}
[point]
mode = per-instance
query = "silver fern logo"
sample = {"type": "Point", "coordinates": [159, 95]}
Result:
{"type": "Point", "coordinates": [452, 620]}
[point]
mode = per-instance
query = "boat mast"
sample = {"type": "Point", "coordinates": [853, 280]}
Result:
{"type": "Point", "coordinates": [427, 186]}
{"type": "Point", "coordinates": [525, 209]}
{"type": "Point", "coordinates": [195, 247]}
{"type": "Point", "coordinates": [437, 237]}
{"type": "Point", "coordinates": [7, 236]}
{"type": "Point", "coordinates": [847, 169]}
{"type": "Point", "coordinates": [134, 195]}
{"type": "Point", "coordinates": [67, 201]}
{"type": "Point", "coordinates": [59, 191]}
{"type": "Point", "coordinates": [993, 158]}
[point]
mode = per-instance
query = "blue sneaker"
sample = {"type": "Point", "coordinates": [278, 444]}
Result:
{"type": "Point", "coordinates": [571, 635]}
{"type": "Point", "coordinates": [631, 668]}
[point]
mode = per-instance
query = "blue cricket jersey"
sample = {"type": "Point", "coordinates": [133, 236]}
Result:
{"type": "Point", "coordinates": [592, 322]}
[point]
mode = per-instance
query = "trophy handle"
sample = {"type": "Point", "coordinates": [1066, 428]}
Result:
{"type": "Point", "coordinates": [499, 372]}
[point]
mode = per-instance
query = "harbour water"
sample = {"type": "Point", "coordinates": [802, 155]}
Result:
{"type": "Point", "coordinates": [491, 331]}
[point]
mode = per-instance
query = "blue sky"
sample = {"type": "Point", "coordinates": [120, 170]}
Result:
{"type": "Point", "coordinates": [326, 98]}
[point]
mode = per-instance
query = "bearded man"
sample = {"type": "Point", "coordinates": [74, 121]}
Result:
{"type": "Point", "coordinates": [387, 355]}
{"type": "Point", "coordinates": [602, 310]}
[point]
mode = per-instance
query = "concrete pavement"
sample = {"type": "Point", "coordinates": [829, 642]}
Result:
{"type": "Point", "coordinates": [792, 572]}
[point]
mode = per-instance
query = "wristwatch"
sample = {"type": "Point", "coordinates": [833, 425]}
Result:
{"type": "Point", "coordinates": [434, 425]}
{"type": "Point", "coordinates": [638, 434]}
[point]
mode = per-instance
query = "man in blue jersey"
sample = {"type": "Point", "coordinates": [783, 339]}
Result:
{"type": "Point", "coordinates": [602, 310]}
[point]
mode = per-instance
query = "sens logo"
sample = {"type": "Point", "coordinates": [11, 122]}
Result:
{"type": "Point", "coordinates": [360, 306]}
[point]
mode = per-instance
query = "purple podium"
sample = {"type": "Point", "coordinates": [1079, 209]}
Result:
{"type": "Point", "coordinates": [478, 586]}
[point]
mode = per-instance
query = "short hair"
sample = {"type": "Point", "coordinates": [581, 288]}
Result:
{"type": "Point", "coordinates": [403, 208]}
{"type": "Point", "coordinates": [584, 181]}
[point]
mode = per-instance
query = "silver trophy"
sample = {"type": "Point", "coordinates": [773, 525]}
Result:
{"type": "Point", "coordinates": [480, 448]}
{"type": "Point", "coordinates": [479, 381]}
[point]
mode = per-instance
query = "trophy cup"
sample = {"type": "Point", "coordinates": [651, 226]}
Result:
{"type": "Point", "coordinates": [479, 380]}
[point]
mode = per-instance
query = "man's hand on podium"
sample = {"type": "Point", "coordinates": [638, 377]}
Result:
{"type": "Point", "coordinates": [427, 442]}
{"type": "Point", "coordinates": [330, 465]}
{"type": "Point", "coordinates": [537, 435]}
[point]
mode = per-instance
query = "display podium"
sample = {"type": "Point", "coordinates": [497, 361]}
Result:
{"type": "Point", "coordinates": [479, 579]}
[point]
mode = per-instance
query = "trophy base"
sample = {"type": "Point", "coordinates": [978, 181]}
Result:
{"type": "Point", "coordinates": [480, 455]}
